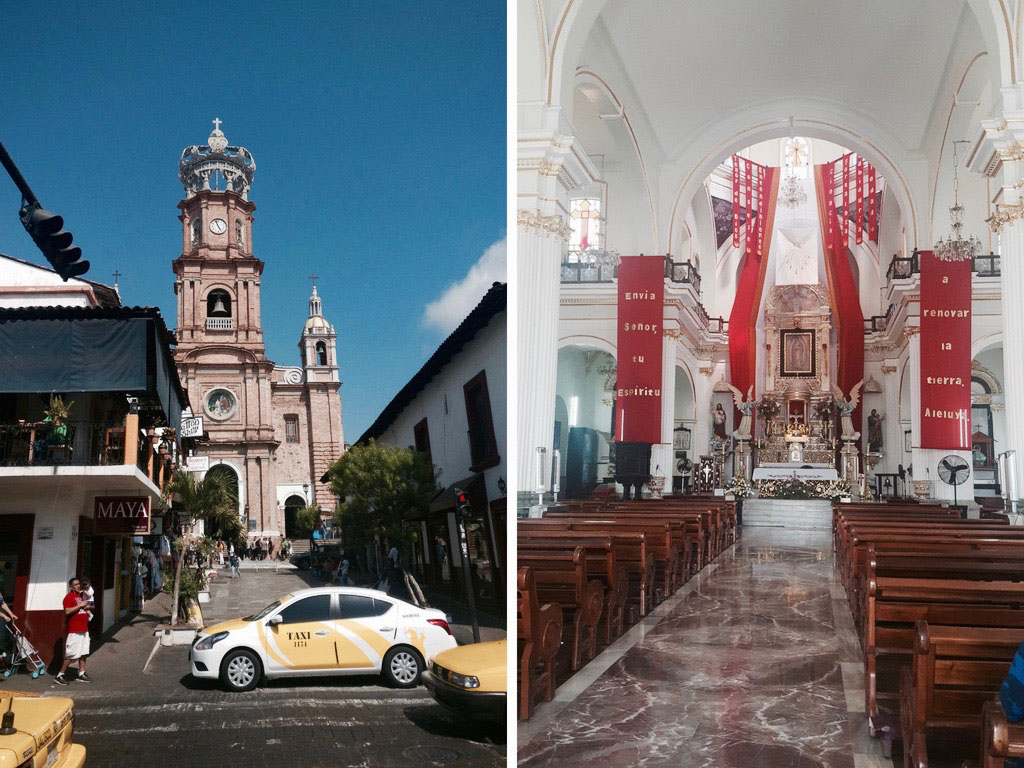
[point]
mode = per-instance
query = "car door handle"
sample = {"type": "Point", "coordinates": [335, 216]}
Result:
{"type": "Point", "coordinates": [387, 629]}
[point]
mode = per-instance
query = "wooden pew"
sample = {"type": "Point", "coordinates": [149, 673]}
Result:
{"type": "Point", "coordinates": [895, 605]}
{"type": "Point", "coordinates": [563, 581]}
{"type": "Point", "coordinates": [955, 670]}
{"type": "Point", "coordinates": [630, 552]}
{"type": "Point", "coordinates": [1000, 739]}
{"type": "Point", "coordinates": [665, 541]}
{"type": "Point", "coordinates": [539, 634]}
{"type": "Point", "coordinates": [601, 565]}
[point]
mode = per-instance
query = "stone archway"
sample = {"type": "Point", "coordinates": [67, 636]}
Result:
{"type": "Point", "coordinates": [292, 506]}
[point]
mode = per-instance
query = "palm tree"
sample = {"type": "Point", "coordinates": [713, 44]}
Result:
{"type": "Point", "coordinates": [212, 500]}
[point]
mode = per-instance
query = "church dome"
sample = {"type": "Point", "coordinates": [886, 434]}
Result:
{"type": "Point", "coordinates": [216, 165]}
{"type": "Point", "coordinates": [316, 323]}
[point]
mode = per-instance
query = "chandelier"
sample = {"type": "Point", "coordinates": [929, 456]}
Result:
{"type": "Point", "coordinates": [792, 193]}
{"type": "Point", "coordinates": [955, 247]}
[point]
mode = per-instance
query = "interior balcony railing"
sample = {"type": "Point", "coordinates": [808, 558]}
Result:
{"type": "Point", "coordinates": [904, 267]}
{"type": "Point", "coordinates": [602, 267]}
{"type": "Point", "coordinates": [712, 324]}
{"type": "Point", "coordinates": [879, 323]}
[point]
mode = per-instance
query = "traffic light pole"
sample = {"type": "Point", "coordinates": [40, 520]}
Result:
{"type": "Point", "coordinates": [19, 180]}
{"type": "Point", "coordinates": [470, 596]}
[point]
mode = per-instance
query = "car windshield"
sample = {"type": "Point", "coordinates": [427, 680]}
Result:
{"type": "Point", "coordinates": [268, 609]}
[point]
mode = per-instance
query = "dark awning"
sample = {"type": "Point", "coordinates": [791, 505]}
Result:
{"type": "Point", "coordinates": [474, 487]}
{"type": "Point", "coordinates": [83, 349]}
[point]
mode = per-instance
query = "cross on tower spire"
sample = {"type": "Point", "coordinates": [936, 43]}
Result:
{"type": "Point", "coordinates": [216, 123]}
{"type": "Point", "coordinates": [314, 277]}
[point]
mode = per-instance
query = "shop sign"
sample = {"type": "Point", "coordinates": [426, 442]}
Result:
{"type": "Point", "coordinates": [192, 427]}
{"type": "Point", "coordinates": [197, 463]}
{"type": "Point", "coordinates": [127, 515]}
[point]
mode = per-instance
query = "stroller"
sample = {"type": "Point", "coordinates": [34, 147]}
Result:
{"type": "Point", "coordinates": [19, 652]}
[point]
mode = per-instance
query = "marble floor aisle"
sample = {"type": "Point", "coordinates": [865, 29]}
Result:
{"type": "Point", "coordinates": [753, 664]}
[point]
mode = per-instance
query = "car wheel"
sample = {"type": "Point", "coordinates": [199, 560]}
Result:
{"type": "Point", "coordinates": [402, 667]}
{"type": "Point", "coordinates": [240, 671]}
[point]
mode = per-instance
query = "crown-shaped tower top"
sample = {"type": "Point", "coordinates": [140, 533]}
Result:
{"type": "Point", "coordinates": [216, 165]}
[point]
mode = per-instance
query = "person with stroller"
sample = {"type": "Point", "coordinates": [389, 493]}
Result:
{"type": "Point", "coordinates": [7, 631]}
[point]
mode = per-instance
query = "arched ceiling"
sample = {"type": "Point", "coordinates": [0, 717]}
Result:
{"type": "Point", "coordinates": [695, 63]}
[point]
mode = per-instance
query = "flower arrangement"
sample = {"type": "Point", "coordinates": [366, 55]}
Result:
{"type": "Point", "coordinates": [740, 487]}
{"type": "Point", "coordinates": [768, 407]}
{"type": "Point", "coordinates": [825, 409]}
{"type": "Point", "coordinates": [795, 488]}
{"type": "Point", "coordinates": [796, 429]}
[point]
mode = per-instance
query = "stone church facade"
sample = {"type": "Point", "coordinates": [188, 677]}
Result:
{"type": "Point", "coordinates": [273, 429]}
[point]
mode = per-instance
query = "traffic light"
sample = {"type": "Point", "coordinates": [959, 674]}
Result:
{"type": "Point", "coordinates": [462, 503]}
{"type": "Point", "coordinates": [47, 230]}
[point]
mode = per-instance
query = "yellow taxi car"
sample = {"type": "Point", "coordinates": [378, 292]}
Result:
{"type": "Point", "coordinates": [470, 680]}
{"type": "Point", "coordinates": [323, 631]}
{"type": "Point", "coordinates": [42, 732]}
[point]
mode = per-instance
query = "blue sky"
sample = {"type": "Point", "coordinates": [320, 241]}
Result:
{"type": "Point", "coordinates": [378, 130]}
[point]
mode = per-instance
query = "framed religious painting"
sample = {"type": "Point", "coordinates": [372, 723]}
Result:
{"type": "Point", "coordinates": [681, 438]}
{"type": "Point", "coordinates": [798, 359]}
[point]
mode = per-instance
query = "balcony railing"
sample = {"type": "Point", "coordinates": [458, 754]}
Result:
{"type": "Point", "coordinates": [588, 272]}
{"type": "Point", "coordinates": [588, 268]}
{"type": "Point", "coordinates": [904, 267]}
{"type": "Point", "coordinates": [879, 323]}
{"type": "Point", "coordinates": [81, 444]}
{"type": "Point", "coordinates": [220, 323]}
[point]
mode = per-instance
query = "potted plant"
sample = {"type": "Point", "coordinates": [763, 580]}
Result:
{"type": "Point", "coordinates": [740, 488]}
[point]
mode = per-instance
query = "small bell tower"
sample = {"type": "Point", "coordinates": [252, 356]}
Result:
{"type": "Point", "coordinates": [318, 344]}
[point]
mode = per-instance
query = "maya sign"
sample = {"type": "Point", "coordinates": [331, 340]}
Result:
{"type": "Point", "coordinates": [122, 515]}
{"type": "Point", "coordinates": [638, 387]}
{"type": "Point", "coordinates": [945, 353]}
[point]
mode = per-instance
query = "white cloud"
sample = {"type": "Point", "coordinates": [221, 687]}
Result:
{"type": "Point", "coordinates": [451, 307]}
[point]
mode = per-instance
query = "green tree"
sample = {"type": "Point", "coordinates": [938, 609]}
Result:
{"type": "Point", "coordinates": [212, 500]}
{"type": "Point", "coordinates": [378, 484]}
{"type": "Point", "coordinates": [306, 519]}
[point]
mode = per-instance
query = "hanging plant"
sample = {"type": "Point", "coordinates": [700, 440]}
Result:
{"type": "Point", "coordinates": [58, 409]}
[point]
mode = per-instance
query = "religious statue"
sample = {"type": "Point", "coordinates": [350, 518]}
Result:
{"type": "Point", "coordinates": [769, 408]}
{"type": "Point", "coordinates": [746, 406]}
{"type": "Point", "coordinates": [846, 408]}
{"type": "Point", "coordinates": [824, 410]}
{"type": "Point", "coordinates": [718, 417]}
{"type": "Point", "coordinates": [875, 432]}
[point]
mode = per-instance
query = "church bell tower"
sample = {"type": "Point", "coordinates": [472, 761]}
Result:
{"type": "Point", "coordinates": [220, 353]}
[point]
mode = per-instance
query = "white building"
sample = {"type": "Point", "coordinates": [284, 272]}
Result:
{"type": "Point", "coordinates": [453, 410]}
{"type": "Point", "coordinates": [113, 366]}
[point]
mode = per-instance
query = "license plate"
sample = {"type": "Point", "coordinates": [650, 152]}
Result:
{"type": "Point", "coordinates": [51, 755]}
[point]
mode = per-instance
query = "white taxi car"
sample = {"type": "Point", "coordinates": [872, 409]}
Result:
{"type": "Point", "coordinates": [323, 631]}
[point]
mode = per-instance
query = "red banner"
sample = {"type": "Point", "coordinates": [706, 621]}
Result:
{"type": "Point", "coordinates": [638, 387]}
{"type": "Point", "coordinates": [945, 353]}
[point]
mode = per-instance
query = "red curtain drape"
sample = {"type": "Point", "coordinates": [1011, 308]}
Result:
{"type": "Point", "coordinates": [843, 294]}
{"type": "Point", "coordinates": [743, 318]}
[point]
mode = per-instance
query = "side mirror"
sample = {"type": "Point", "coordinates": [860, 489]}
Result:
{"type": "Point", "coordinates": [273, 621]}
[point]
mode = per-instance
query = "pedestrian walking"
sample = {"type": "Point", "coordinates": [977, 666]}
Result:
{"type": "Point", "coordinates": [270, 549]}
{"type": "Point", "coordinates": [6, 633]}
{"type": "Point", "coordinates": [233, 560]}
{"type": "Point", "coordinates": [76, 644]}
{"type": "Point", "coordinates": [343, 573]}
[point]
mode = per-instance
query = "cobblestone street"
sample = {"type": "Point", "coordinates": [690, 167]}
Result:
{"type": "Point", "coordinates": [162, 717]}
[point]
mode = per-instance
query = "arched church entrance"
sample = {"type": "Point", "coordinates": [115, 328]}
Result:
{"type": "Point", "coordinates": [231, 478]}
{"type": "Point", "coordinates": [292, 506]}
{"type": "Point", "coordinates": [584, 407]}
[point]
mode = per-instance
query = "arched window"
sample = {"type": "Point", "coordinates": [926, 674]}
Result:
{"type": "Point", "coordinates": [239, 234]}
{"type": "Point", "coordinates": [197, 232]}
{"type": "Point", "coordinates": [218, 304]}
{"type": "Point", "coordinates": [321, 353]}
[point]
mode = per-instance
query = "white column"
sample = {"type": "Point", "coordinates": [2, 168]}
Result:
{"type": "Point", "coordinates": [662, 459]}
{"type": "Point", "coordinates": [702, 411]}
{"type": "Point", "coordinates": [918, 461]}
{"type": "Point", "coordinates": [892, 433]}
{"type": "Point", "coordinates": [540, 254]}
{"type": "Point", "coordinates": [1012, 241]}
{"type": "Point", "coordinates": [549, 165]}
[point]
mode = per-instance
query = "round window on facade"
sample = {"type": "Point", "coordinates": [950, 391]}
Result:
{"type": "Point", "coordinates": [220, 404]}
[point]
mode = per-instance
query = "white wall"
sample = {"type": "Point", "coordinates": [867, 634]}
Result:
{"type": "Point", "coordinates": [443, 403]}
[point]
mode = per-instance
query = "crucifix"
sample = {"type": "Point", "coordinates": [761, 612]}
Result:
{"type": "Point", "coordinates": [314, 277]}
{"type": "Point", "coordinates": [116, 276]}
{"type": "Point", "coordinates": [216, 123]}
